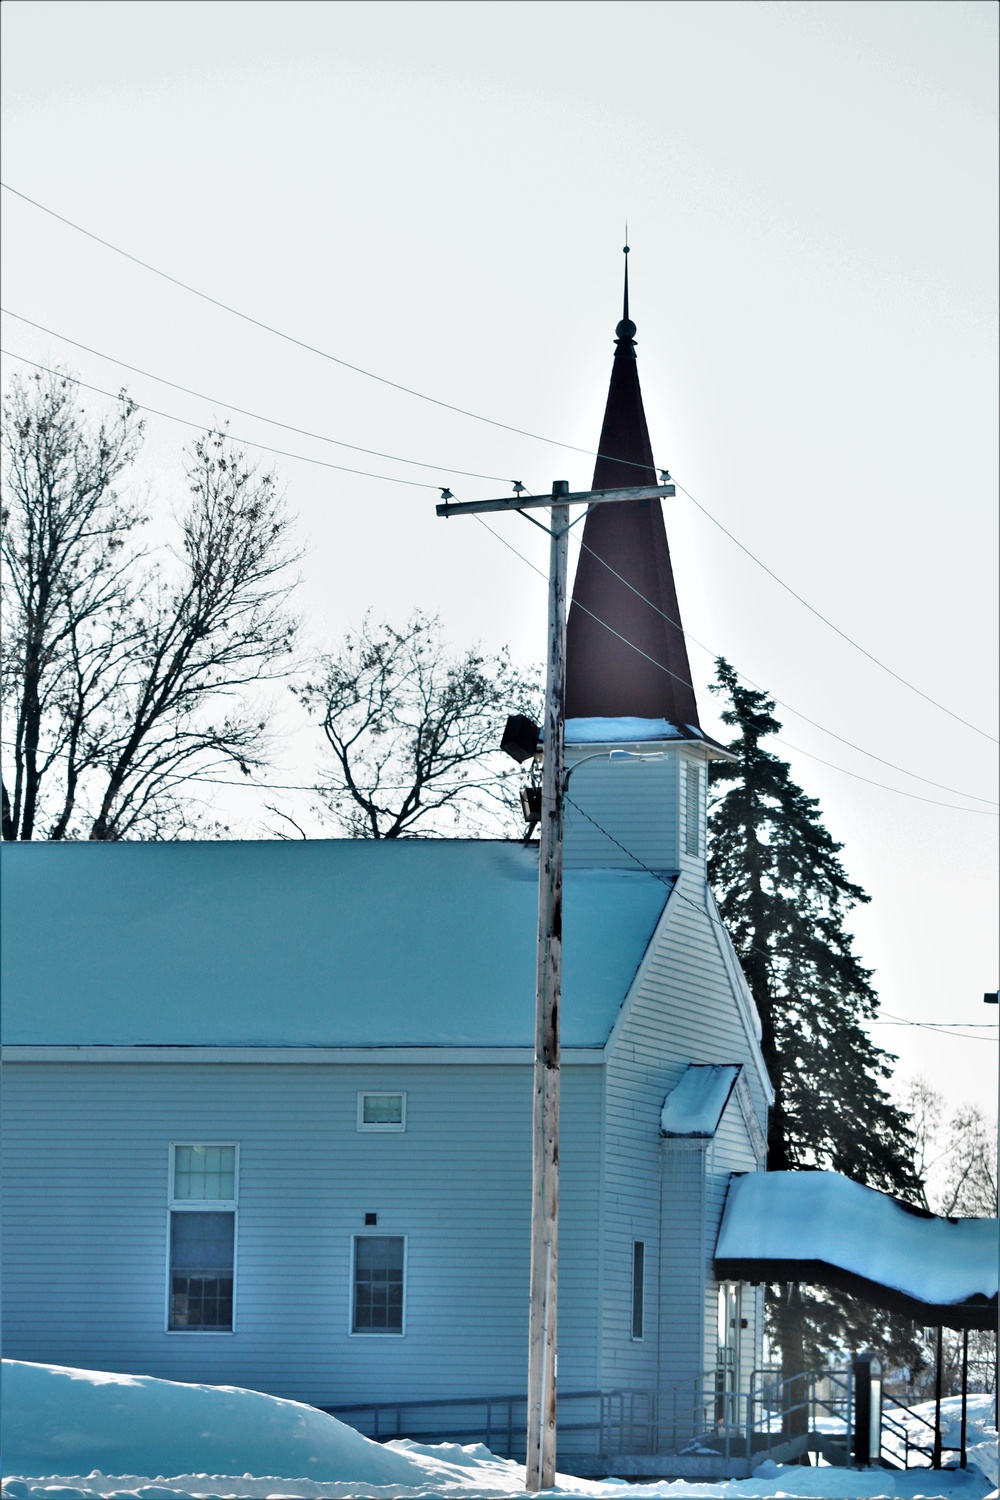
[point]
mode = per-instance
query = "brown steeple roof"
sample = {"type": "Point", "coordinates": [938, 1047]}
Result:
{"type": "Point", "coordinates": [605, 676]}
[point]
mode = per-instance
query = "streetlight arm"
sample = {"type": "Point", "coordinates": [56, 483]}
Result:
{"type": "Point", "coordinates": [613, 756]}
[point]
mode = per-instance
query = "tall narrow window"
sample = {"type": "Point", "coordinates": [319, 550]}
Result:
{"type": "Point", "coordinates": [692, 810]}
{"type": "Point", "coordinates": [379, 1262]}
{"type": "Point", "coordinates": [202, 1238]}
{"type": "Point", "coordinates": [638, 1283]}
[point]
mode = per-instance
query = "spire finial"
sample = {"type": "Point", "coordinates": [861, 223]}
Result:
{"type": "Point", "coordinates": [625, 331]}
{"type": "Point", "coordinates": [625, 316]}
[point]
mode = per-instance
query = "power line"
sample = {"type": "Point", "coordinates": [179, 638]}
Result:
{"type": "Point", "coordinates": [671, 883]}
{"type": "Point", "coordinates": [341, 468]}
{"type": "Point", "coordinates": [492, 422]}
{"type": "Point", "coordinates": [798, 714]}
{"type": "Point", "coordinates": [278, 332]}
{"type": "Point", "coordinates": [827, 621]}
{"type": "Point", "coordinates": [273, 421]}
{"type": "Point", "coordinates": [939, 1029]}
{"type": "Point", "coordinates": [200, 427]}
{"type": "Point", "coordinates": [944, 1026]}
{"type": "Point", "coordinates": [899, 791]}
{"type": "Point", "coordinates": [934, 801]}
{"type": "Point", "coordinates": [305, 432]}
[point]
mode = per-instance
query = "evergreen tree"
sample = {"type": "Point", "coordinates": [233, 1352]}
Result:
{"type": "Point", "coordinates": [784, 896]}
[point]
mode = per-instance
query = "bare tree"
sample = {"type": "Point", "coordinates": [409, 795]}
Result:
{"type": "Point", "coordinates": [970, 1188]}
{"type": "Point", "coordinates": [202, 637]}
{"type": "Point", "coordinates": [955, 1155]}
{"type": "Point", "coordinates": [414, 733]}
{"type": "Point", "coordinates": [66, 562]}
{"type": "Point", "coordinates": [955, 1158]}
{"type": "Point", "coordinates": [134, 684]}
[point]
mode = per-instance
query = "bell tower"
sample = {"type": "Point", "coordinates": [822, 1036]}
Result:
{"type": "Point", "coordinates": [631, 712]}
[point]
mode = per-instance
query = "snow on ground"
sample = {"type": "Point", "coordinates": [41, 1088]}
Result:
{"type": "Point", "coordinates": [980, 1440]}
{"type": "Point", "coordinates": [82, 1434]}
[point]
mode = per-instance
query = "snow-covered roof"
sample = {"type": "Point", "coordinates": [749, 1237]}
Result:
{"type": "Point", "coordinates": [630, 730]}
{"type": "Point", "coordinates": [633, 731]}
{"type": "Point", "coordinates": [821, 1227]}
{"type": "Point", "coordinates": [695, 1106]}
{"type": "Point", "coordinates": [350, 943]}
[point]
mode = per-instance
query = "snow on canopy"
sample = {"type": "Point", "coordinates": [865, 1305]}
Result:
{"type": "Point", "coordinates": [822, 1228]}
{"type": "Point", "coordinates": [695, 1106]}
{"type": "Point", "coordinates": [347, 942]}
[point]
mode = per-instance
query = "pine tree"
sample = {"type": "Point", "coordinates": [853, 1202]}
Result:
{"type": "Point", "coordinates": [784, 895]}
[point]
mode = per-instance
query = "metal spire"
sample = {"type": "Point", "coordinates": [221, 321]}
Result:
{"type": "Point", "coordinates": [625, 652]}
{"type": "Point", "coordinates": [626, 328]}
{"type": "Point", "coordinates": [625, 317]}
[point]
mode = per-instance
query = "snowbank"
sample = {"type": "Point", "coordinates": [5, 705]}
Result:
{"type": "Point", "coordinates": [88, 1435]}
{"type": "Point", "coordinates": [79, 1420]}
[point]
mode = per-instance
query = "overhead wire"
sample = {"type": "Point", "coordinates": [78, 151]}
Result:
{"type": "Point", "coordinates": [201, 427]}
{"type": "Point", "coordinates": [827, 621]}
{"type": "Point", "coordinates": [671, 882]}
{"type": "Point", "coordinates": [798, 714]}
{"type": "Point", "coordinates": [781, 740]}
{"type": "Point", "coordinates": [393, 479]}
{"type": "Point", "coordinates": [493, 422]}
{"type": "Point", "coordinates": [257, 416]}
{"type": "Point", "coordinates": [396, 458]}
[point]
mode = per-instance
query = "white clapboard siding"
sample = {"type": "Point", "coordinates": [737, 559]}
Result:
{"type": "Point", "coordinates": [683, 1261]}
{"type": "Point", "coordinates": [684, 1008]}
{"type": "Point", "coordinates": [636, 802]}
{"type": "Point", "coordinates": [732, 1150]}
{"type": "Point", "coordinates": [86, 1221]}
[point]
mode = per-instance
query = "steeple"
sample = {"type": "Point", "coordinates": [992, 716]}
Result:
{"type": "Point", "coordinates": [606, 677]}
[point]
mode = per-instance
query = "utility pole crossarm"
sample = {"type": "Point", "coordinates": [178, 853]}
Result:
{"type": "Point", "coordinates": [579, 497]}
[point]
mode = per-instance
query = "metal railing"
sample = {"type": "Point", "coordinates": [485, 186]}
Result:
{"type": "Point", "coordinates": [498, 1421]}
{"type": "Point", "coordinates": [695, 1418]}
{"type": "Point", "coordinates": [900, 1432]}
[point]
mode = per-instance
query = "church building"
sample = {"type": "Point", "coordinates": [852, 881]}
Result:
{"type": "Point", "coordinates": [267, 1105]}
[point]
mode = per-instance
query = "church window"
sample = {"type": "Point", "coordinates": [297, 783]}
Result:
{"type": "Point", "coordinates": [692, 811]}
{"type": "Point", "coordinates": [381, 1111]}
{"type": "Point", "coordinates": [379, 1272]}
{"type": "Point", "coordinates": [638, 1285]}
{"type": "Point", "coordinates": [202, 1252]}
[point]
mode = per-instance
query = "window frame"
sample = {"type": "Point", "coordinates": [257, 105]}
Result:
{"type": "Point", "coordinates": [376, 1333]}
{"type": "Point", "coordinates": [638, 1304]}
{"type": "Point", "coordinates": [367, 1128]}
{"type": "Point", "coordinates": [201, 1205]}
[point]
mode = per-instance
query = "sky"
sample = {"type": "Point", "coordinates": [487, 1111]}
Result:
{"type": "Point", "coordinates": [437, 194]}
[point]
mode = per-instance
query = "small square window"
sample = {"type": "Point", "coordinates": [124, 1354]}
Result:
{"type": "Point", "coordinates": [205, 1173]}
{"type": "Point", "coordinates": [382, 1112]}
{"type": "Point", "coordinates": [379, 1262]}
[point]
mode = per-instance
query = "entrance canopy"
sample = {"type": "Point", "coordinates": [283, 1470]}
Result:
{"type": "Point", "coordinates": [821, 1228]}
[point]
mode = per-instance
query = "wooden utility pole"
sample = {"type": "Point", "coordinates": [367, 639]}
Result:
{"type": "Point", "coordinates": [540, 1471]}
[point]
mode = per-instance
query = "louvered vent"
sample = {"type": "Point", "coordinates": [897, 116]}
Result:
{"type": "Point", "coordinates": [692, 811]}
